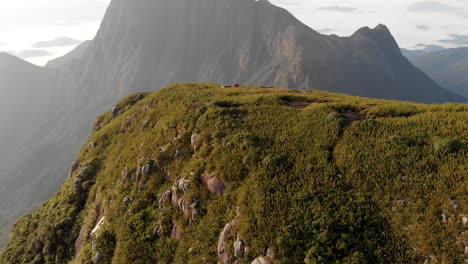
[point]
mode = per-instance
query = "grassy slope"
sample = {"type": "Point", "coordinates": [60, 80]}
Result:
{"type": "Point", "coordinates": [309, 185]}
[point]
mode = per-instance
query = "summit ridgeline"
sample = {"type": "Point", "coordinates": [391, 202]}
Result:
{"type": "Point", "coordinates": [197, 173]}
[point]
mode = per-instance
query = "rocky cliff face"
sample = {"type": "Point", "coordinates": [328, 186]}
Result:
{"type": "Point", "coordinates": [145, 44]}
{"type": "Point", "coordinates": [195, 173]}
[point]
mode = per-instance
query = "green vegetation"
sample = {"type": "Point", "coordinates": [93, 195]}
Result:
{"type": "Point", "coordinates": [313, 177]}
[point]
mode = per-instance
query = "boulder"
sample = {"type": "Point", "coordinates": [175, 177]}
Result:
{"type": "Point", "coordinates": [465, 220]}
{"type": "Point", "coordinates": [223, 237]}
{"type": "Point", "coordinates": [98, 257]}
{"type": "Point", "coordinates": [213, 184]}
{"type": "Point", "coordinates": [147, 169]}
{"type": "Point", "coordinates": [239, 247]}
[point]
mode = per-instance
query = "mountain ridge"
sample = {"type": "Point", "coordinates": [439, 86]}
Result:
{"type": "Point", "coordinates": [151, 43]}
{"type": "Point", "coordinates": [447, 67]}
{"type": "Point", "coordinates": [197, 173]}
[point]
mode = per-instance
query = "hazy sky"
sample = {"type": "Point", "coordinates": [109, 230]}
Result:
{"type": "Point", "coordinates": [23, 23]}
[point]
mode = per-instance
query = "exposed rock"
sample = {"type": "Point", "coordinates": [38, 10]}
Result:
{"type": "Point", "coordinates": [195, 214]}
{"type": "Point", "coordinates": [157, 231]}
{"type": "Point", "coordinates": [176, 233]}
{"type": "Point", "coordinates": [213, 184]}
{"type": "Point", "coordinates": [92, 145]}
{"type": "Point", "coordinates": [127, 201]}
{"type": "Point", "coordinates": [183, 185]}
{"type": "Point", "coordinates": [194, 142]}
{"type": "Point", "coordinates": [122, 128]}
{"type": "Point", "coordinates": [444, 217]}
{"type": "Point", "coordinates": [223, 237]}
{"type": "Point", "coordinates": [141, 186]}
{"type": "Point", "coordinates": [465, 220]}
{"type": "Point", "coordinates": [239, 247]}
{"type": "Point", "coordinates": [455, 205]}
{"type": "Point", "coordinates": [466, 250]}
{"type": "Point", "coordinates": [95, 232]}
{"type": "Point", "coordinates": [270, 253]}
{"type": "Point", "coordinates": [404, 178]}
{"type": "Point", "coordinates": [166, 196]}
{"type": "Point", "coordinates": [73, 168]}
{"type": "Point", "coordinates": [184, 207]}
{"type": "Point", "coordinates": [174, 198]}
{"type": "Point", "coordinates": [98, 257]}
{"type": "Point", "coordinates": [147, 169]}
{"type": "Point", "coordinates": [144, 125]}
{"type": "Point", "coordinates": [261, 260]}
{"type": "Point", "coordinates": [116, 111]}
{"type": "Point", "coordinates": [191, 251]}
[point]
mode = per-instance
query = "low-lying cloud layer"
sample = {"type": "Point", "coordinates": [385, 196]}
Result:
{"type": "Point", "coordinates": [337, 8]}
{"type": "Point", "coordinates": [58, 42]}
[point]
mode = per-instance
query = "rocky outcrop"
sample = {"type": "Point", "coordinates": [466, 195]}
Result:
{"type": "Point", "coordinates": [116, 111]}
{"type": "Point", "coordinates": [262, 260]}
{"type": "Point", "coordinates": [73, 168]}
{"type": "Point", "coordinates": [176, 232]}
{"type": "Point", "coordinates": [183, 185]}
{"type": "Point", "coordinates": [194, 142]}
{"type": "Point", "coordinates": [222, 253]}
{"type": "Point", "coordinates": [147, 169]}
{"type": "Point", "coordinates": [213, 184]}
{"type": "Point", "coordinates": [239, 247]}
{"type": "Point", "coordinates": [95, 232]}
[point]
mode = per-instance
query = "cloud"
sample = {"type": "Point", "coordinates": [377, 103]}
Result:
{"type": "Point", "coordinates": [431, 6]}
{"type": "Point", "coordinates": [422, 27]}
{"type": "Point", "coordinates": [325, 30]}
{"type": "Point", "coordinates": [338, 9]}
{"type": "Point", "coordinates": [430, 48]}
{"type": "Point", "coordinates": [3, 44]}
{"type": "Point", "coordinates": [58, 42]}
{"type": "Point", "coordinates": [456, 39]}
{"type": "Point", "coordinates": [33, 53]}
